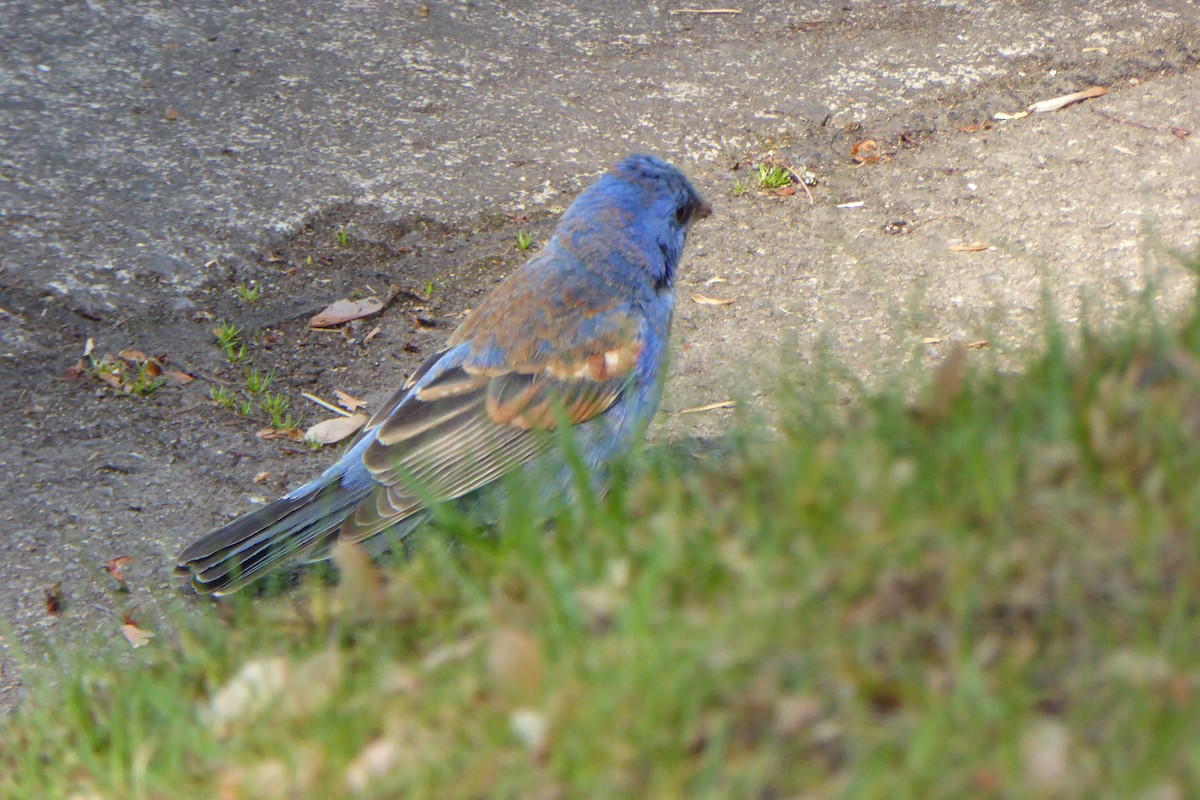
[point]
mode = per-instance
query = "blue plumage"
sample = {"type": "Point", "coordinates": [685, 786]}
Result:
{"type": "Point", "coordinates": [577, 334]}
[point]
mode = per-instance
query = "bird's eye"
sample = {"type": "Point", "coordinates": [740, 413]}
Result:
{"type": "Point", "coordinates": [683, 214]}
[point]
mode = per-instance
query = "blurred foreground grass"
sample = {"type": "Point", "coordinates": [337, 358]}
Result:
{"type": "Point", "coordinates": [992, 590]}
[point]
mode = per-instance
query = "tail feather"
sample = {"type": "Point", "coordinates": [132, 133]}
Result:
{"type": "Point", "coordinates": [296, 524]}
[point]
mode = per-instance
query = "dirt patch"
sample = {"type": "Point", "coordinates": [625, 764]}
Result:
{"type": "Point", "coordinates": [91, 473]}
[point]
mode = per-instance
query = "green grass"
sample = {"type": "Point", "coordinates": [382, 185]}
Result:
{"type": "Point", "coordinates": [248, 292]}
{"type": "Point", "coordinates": [988, 591]}
{"type": "Point", "coordinates": [229, 340]}
{"type": "Point", "coordinates": [524, 240]}
{"type": "Point", "coordinates": [772, 176]}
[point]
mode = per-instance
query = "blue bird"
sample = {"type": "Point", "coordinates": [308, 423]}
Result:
{"type": "Point", "coordinates": [578, 334]}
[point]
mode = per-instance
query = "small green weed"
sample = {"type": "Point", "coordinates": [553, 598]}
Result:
{"type": "Point", "coordinates": [276, 407]}
{"type": "Point", "coordinates": [229, 339]}
{"type": "Point", "coordinates": [429, 287]}
{"type": "Point", "coordinates": [248, 292]}
{"type": "Point", "coordinates": [258, 381]}
{"type": "Point", "coordinates": [222, 396]}
{"type": "Point", "coordinates": [524, 240]}
{"type": "Point", "coordinates": [342, 238]}
{"type": "Point", "coordinates": [147, 380]}
{"type": "Point", "coordinates": [772, 176]}
{"type": "Point", "coordinates": [740, 188]}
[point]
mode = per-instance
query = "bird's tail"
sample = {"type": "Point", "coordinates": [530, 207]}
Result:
{"type": "Point", "coordinates": [300, 524]}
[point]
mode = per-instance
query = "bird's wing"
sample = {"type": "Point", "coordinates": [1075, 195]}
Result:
{"type": "Point", "coordinates": [491, 399]}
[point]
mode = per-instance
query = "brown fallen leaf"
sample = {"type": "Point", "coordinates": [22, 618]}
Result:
{"type": "Point", "coordinates": [786, 191]}
{"type": "Point", "coordinates": [178, 376]}
{"type": "Point", "coordinates": [346, 310]}
{"type": "Point", "coordinates": [948, 380]}
{"type": "Point", "coordinates": [111, 378]}
{"type": "Point", "coordinates": [931, 340]}
{"type": "Point", "coordinates": [336, 429]}
{"type": "Point", "coordinates": [262, 477]}
{"type": "Point", "coordinates": [348, 401]}
{"type": "Point", "coordinates": [1055, 103]}
{"type": "Point", "coordinates": [973, 247]}
{"type": "Point", "coordinates": [136, 356]}
{"type": "Point", "coordinates": [135, 635]}
{"type": "Point", "coordinates": [374, 332]}
{"type": "Point", "coordinates": [865, 152]}
{"type": "Point", "coordinates": [54, 601]}
{"type": "Point", "coordinates": [705, 300]}
{"type": "Point", "coordinates": [113, 567]}
{"type": "Point", "coordinates": [75, 371]}
{"type": "Point", "coordinates": [88, 347]}
{"type": "Point", "coordinates": [514, 661]}
{"type": "Point", "coordinates": [980, 126]}
{"type": "Point", "coordinates": [295, 434]}
{"type": "Point", "coordinates": [977, 345]}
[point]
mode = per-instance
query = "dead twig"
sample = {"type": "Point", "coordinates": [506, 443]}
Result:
{"type": "Point", "coordinates": [324, 404]}
{"type": "Point", "coordinates": [705, 11]}
{"type": "Point", "coordinates": [1177, 132]}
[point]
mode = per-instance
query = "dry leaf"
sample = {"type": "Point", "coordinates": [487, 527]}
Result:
{"type": "Point", "coordinates": [178, 376]}
{"type": "Point", "coordinates": [530, 727]}
{"type": "Point", "coordinates": [374, 332]}
{"type": "Point", "coordinates": [253, 689]}
{"type": "Point", "coordinates": [514, 661]}
{"type": "Point", "coordinates": [54, 601]}
{"type": "Point", "coordinates": [865, 152]}
{"type": "Point", "coordinates": [931, 340]}
{"type": "Point", "coordinates": [346, 310]}
{"type": "Point", "coordinates": [360, 588]}
{"type": "Point", "coordinates": [75, 371]}
{"type": "Point", "coordinates": [136, 356]}
{"type": "Point", "coordinates": [349, 402]}
{"type": "Point", "coordinates": [711, 281]}
{"type": "Point", "coordinates": [786, 191]}
{"type": "Point", "coordinates": [709, 407]}
{"type": "Point", "coordinates": [1004, 117]}
{"type": "Point", "coordinates": [704, 300]}
{"type": "Point", "coordinates": [982, 126]}
{"type": "Point", "coordinates": [1056, 103]}
{"type": "Point", "coordinates": [88, 347]}
{"type": "Point", "coordinates": [262, 477]}
{"type": "Point", "coordinates": [136, 636]}
{"type": "Point", "coordinates": [336, 429]}
{"type": "Point", "coordinates": [1045, 747]}
{"type": "Point", "coordinates": [113, 567]}
{"type": "Point", "coordinates": [973, 247]}
{"type": "Point", "coordinates": [977, 345]}
{"type": "Point", "coordinates": [376, 760]}
{"type": "Point", "coordinates": [948, 380]}
{"type": "Point", "coordinates": [295, 434]}
{"type": "Point", "coordinates": [111, 378]}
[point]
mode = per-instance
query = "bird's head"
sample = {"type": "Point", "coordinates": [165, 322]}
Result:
{"type": "Point", "coordinates": [641, 210]}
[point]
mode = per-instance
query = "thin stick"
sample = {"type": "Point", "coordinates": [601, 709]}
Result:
{"type": "Point", "coordinates": [709, 407]}
{"type": "Point", "coordinates": [323, 404]}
